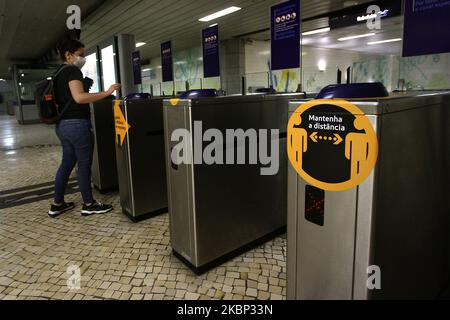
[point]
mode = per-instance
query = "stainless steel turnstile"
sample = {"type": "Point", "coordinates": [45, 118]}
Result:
{"type": "Point", "coordinates": [104, 168]}
{"type": "Point", "coordinates": [218, 211]}
{"type": "Point", "coordinates": [141, 161]}
{"type": "Point", "coordinates": [397, 220]}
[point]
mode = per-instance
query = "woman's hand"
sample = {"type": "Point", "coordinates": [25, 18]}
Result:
{"type": "Point", "coordinates": [82, 97]}
{"type": "Point", "coordinates": [113, 88]}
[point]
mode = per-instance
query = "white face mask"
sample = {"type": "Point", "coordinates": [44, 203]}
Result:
{"type": "Point", "coordinates": [80, 62]}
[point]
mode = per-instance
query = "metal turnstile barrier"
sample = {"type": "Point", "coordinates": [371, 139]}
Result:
{"type": "Point", "coordinates": [104, 167]}
{"type": "Point", "coordinates": [394, 225]}
{"type": "Point", "coordinates": [219, 211]}
{"type": "Point", "coordinates": [140, 158]}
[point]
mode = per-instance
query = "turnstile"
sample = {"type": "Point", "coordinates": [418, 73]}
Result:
{"type": "Point", "coordinates": [104, 167]}
{"type": "Point", "coordinates": [395, 225]}
{"type": "Point", "coordinates": [141, 161]}
{"type": "Point", "coordinates": [219, 211]}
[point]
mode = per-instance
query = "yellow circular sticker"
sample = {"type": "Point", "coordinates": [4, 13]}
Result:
{"type": "Point", "coordinates": [332, 144]}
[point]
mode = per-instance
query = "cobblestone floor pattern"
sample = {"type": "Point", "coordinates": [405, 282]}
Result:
{"type": "Point", "coordinates": [117, 258]}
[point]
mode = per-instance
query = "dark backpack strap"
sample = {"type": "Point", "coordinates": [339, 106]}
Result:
{"type": "Point", "coordinates": [63, 67]}
{"type": "Point", "coordinates": [66, 107]}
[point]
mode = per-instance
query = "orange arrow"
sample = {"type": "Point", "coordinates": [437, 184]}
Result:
{"type": "Point", "coordinates": [314, 137]}
{"type": "Point", "coordinates": [121, 124]}
{"type": "Point", "coordinates": [339, 139]}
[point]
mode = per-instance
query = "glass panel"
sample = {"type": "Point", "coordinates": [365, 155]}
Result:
{"type": "Point", "coordinates": [212, 83]}
{"type": "Point", "coordinates": [90, 70]}
{"type": "Point", "coordinates": [108, 67]}
{"type": "Point", "coordinates": [315, 80]}
{"type": "Point", "coordinates": [167, 88]}
{"type": "Point", "coordinates": [379, 69]}
{"type": "Point", "coordinates": [286, 80]}
{"type": "Point", "coordinates": [195, 83]}
{"type": "Point", "coordinates": [180, 87]}
{"type": "Point", "coordinates": [256, 81]}
{"type": "Point", "coordinates": [156, 89]}
{"type": "Point", "coordinates": [429, 72]}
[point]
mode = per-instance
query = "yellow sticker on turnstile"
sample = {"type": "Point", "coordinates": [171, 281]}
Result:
{"type": "Point", "coordinates": [174, 102]}
{"type": "Point", "coordinates": [332, 144]}
{"type": "Point", "coordinates": [122, 127]}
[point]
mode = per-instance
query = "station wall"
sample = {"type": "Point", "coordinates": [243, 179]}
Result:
{"type": "Point", "coordinates": [428, 72]}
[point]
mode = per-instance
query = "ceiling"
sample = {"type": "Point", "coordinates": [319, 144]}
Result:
{"type": "Point", "coordinates": [29, 28]}
{"type": "Point", "coordinates": [156, 21]}
{"type": "Point", "coordinates": [391, 28]}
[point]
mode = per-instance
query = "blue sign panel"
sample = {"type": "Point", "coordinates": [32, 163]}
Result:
{"type": "Point", "coordinates": [285, 24]}
{"type": "Point", "coordinates": [137, 68]}
{"type": "Point", "coordinates": [427, 27]}
{"type": "Point", "coordinates": [167, 61]}
{"type": "Point", "coordinates": [211, 57]}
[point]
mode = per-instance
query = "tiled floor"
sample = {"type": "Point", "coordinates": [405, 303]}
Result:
{"type": "Point", "coordinates": [116, 258]}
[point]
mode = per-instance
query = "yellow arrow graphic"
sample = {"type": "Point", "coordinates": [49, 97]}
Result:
{"type": "Point", "coordinates": [122, 127]}
{"type": "Point", "coordinates": [339, 139]}
{"type": "Point", "coordinates": [314, 137]}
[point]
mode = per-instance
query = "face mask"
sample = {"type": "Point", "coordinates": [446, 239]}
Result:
{"type": "Point", "coordinates": [80, 62]}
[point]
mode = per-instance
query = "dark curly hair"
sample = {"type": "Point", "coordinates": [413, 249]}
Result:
{"type": "Point", "coordinates": [69, 45]}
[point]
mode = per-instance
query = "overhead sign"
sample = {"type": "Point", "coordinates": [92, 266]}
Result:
{"type": "Point", "coordinates": [137, 72]}
{"type": "Point", "coordinates": [285, 25]}
{"type": "Point", "coordinates": [122, 127]}
{"type": "Point", "coordinates": [426, 27]}
{"type": "Point", "coordinates": [211, 54]}
{"type": "Point", "coordinates": [364, 13]}
{"type": "Point", "coordinates": [167, 61]}
{"type": "Point", "coordinates": [332, 144]}
{"type": "Point", "coordinates": [370, 16]}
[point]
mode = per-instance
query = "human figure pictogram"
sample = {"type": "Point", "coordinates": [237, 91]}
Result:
{"type": "Point", "coordinates": [358, 150]}
{"type": "Point", "coordinates": [299, 143]}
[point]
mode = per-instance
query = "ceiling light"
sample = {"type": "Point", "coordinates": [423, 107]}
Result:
{"type": "Point", "coordinates": [145, 70]}
{"type": "Point", "coordinates": [356, 37]}
{"type": "Point", "coordinates": [322, 65]}
{"type": "Point", "coordinates": [384, 41]}
{"type": "Point", "coordinates": [213, 25]}
{"type": "Point", "coordinates": [322, 30]}
{"type": "Point", "coordinates": [22, 75]}
{"type": "Point", "coordinates": [140, 44]}
{"type": "Point", "coordinates": [219, 14]}
{"type": "Point", "coordinates": [2, 80]}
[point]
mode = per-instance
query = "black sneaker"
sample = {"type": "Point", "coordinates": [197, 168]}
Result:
{"type": "Point", "coordinates": [56, 211]}
{"type": "Point", "coordinates": [96, 208]}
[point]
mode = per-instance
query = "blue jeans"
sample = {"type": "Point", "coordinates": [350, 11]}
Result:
{"type": "Point", "coordinates": [77, 143]}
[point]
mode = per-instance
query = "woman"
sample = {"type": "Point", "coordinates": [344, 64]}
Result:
{"type": "Point", "coordinates": [74, 130]}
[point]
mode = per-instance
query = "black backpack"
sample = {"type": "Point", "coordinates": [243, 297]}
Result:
{"type": "Point", "coordinates": [45, 99]}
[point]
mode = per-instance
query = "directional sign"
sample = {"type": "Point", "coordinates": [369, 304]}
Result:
{"type": "Point", "coordinates": [332, 144]}
{"type": "Point", "coordinates": [122, 127]}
